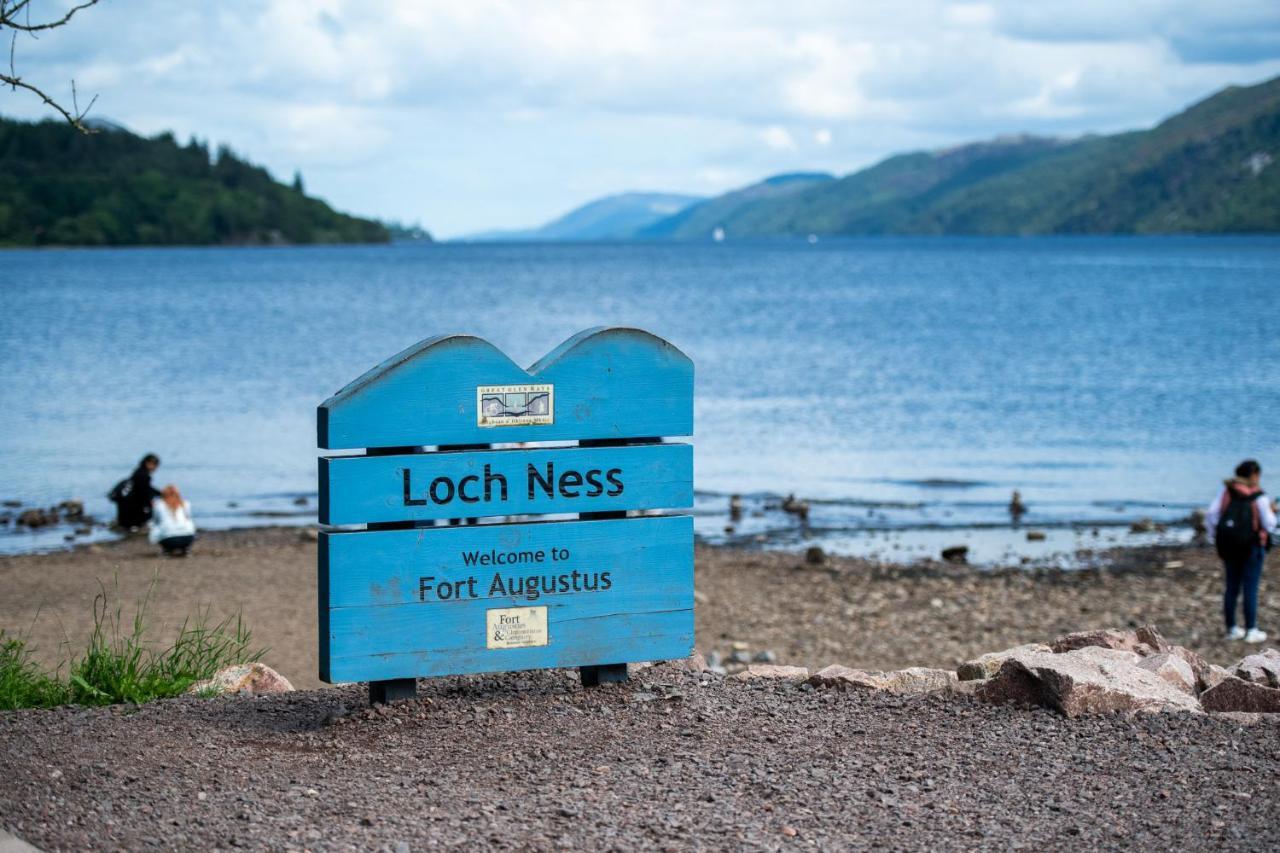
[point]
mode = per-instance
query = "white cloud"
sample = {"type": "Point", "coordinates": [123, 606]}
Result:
{"type": "Point", "coordinates": [778, 137]}
{"type": "Point", "coordinates": [472, 114]}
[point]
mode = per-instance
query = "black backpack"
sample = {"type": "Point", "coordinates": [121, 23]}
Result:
{"type": "Point", "coordinates": [121, 491]}
{"type": "Point", "coordinates": [1235, 534]}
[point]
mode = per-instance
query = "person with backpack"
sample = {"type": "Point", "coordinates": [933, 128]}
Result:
{"type": "Point", "coordinates": [1240, 523]}
{"type": "Point", "coordinates": [134, 494]}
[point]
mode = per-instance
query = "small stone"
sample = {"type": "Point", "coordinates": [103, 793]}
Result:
{"type": "Point", "coordinates": [1142, 525]}
{"type": "Point", "coordinates": [1036, 536]}
{"type": "Point", "coordinates": [790, 831]}
{"type": "Point", "coordinates": [739, 646]}
{"type": "Point", "coordinates": [956, 554]}
{"type": "Point", "coordinates": [309, 534]}
{"type": "Point", "coordinates": [739, 657]}
{"type": "Point", "coordinates": [700, 597]}
{"type": "Point", "coordinates": [815, 556]}
{"type": "Point", "coordinates": [301, 500]}
{"type": "Point", "coordinates": [765, 656]}
{"type": "Point", "coordinates": [202, 796]}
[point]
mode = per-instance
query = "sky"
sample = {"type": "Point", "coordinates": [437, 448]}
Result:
{"type": "Point", "coordinates": [467, 116]}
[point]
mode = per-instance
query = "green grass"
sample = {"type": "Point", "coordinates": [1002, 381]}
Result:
{"type": "Point", "coordinates": [120, 665]}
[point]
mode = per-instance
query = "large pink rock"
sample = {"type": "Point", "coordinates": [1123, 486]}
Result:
{"type": "Point", "coordinates": [989, 664]}
{"type": "Point", "coordinates": [253, 679]}
{"type": "Point", "coordinates": [1086, 680]}
{"type": "Point", "coordinates": [1261, 668]}
{"type": "Point", "coordinates": [914, 680]}
{"type": "Point", "coordinates": [1202, 669]}
{"type": "Point", "coordinates": [1172, 669]}
{"type": "Point", "coordinates": [1144, 641]}
{"type": "Point", "coordinates": [1236, 694]}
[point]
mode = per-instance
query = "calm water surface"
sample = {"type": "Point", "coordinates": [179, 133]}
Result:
{"type": "Point", "coordinates": [906, 386]}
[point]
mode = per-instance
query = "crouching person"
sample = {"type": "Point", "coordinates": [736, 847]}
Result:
{"type": "Point", "coordinates": [171, 525]}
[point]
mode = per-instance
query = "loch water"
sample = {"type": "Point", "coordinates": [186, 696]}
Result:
{"type": "Point", "coordinates": [904, 387]}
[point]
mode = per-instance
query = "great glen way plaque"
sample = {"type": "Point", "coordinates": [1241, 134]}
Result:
{"type": "Point", "coordinates": [451, 546]}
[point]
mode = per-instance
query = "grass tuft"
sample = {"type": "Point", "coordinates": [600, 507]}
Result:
{"type": "Point", "coordinates": [120, 665]}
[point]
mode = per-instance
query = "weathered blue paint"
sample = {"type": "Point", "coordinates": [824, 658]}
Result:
{"type": "Point", "coordinates": [402, 601]}
{"type": "Point", "coordinates": [383, 623]}
{"type": "Point", "coordinates": [610, 383]}
{"type": "Point", "coordinates": [478, 484]}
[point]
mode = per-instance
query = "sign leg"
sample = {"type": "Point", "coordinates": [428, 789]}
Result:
{"type": "Point", "coordinates": [383, 692]}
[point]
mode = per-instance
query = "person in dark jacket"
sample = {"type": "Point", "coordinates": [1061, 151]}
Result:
{"type": "Point", "coordinates": [133, 496]}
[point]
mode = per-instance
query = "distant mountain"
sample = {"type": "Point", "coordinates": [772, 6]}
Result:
{"type": "Point", "coordinates": [699, 221]}
{"type": "Point", "coordinates": [1209, 169]}
{"type": "Point", "coordinates": [615, 217]}
{"type": "Point", "coordinates": [113, 188]}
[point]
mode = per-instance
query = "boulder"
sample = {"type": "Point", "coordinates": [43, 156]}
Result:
{"type": "Point", "coordinates": [902, 682]}
{"type": "Point", "coordinates": [1201, 668]}
{"type": "Point", "coordinates": [989, 664]}
{"type": "Point", "coordinates": [253, 679]}
{"type": "Point", "coordinates": [1172, 669]}
{"type": "Point", "coordinates": [1144, 641]}
{"type": "Point", "coordinates": [773, 671]}
{"type": "Point", "coordinates": [1260, 668]}
{"type": "Point", "coordinates": [1087, 680]}
{"type": "Point", "coordinates": [1214, 677]}
{"type": "Point", "coordinates": [1236, 694]}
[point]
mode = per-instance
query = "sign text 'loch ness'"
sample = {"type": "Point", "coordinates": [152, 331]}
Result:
{"type": "Point", "coordinates": [441, 580]}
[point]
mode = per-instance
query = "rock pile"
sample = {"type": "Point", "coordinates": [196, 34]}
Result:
{"type": "Point", "coordinates": [1089, 672]}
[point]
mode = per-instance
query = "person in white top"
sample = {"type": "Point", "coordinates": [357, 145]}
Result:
{"type": "Point", "coordinates": [1241, 522]}
{"type": "Point", "coordinates": [171, 525]}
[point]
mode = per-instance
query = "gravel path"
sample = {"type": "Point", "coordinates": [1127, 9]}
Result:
{"type": "Point", "coordinates": [670, 760]}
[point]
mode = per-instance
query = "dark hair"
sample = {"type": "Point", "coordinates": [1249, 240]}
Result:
{"type": "Point", "coordinates": [1248, 468]}
{"type": "Point", "coordinates": [149, 458]}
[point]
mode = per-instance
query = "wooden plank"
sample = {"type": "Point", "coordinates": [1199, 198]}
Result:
{"type": "Point", "coordinates": [421, 602]}
{"type": "Point", "coordinates": [606, 383]}
{"type": "Point", "coordinates": [477, 484]}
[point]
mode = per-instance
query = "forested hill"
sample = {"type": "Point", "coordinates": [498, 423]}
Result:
{"type": "Point", "coordinates": [1214, 168]}
{"type": "Point", "coordinates": [113, 188]}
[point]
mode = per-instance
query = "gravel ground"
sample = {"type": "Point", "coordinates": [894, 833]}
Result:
{"type": "Point", "coordinates": [670, 760]}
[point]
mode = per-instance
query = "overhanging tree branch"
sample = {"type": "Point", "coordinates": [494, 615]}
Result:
{"type": "Point", "coordinates": [16, 15]}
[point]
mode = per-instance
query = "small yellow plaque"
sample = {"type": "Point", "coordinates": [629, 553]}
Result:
{"type": "Point", "coordinates": [516, 627]}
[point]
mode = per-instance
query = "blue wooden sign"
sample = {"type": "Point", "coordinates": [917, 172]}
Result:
{"type": "Point", "coordinates": [437, 561]}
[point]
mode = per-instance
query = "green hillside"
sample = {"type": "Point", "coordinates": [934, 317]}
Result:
{"type": "Point", "coordinates": [112, 188]}
{"type": "Point", "coordinates": [1209, 169]}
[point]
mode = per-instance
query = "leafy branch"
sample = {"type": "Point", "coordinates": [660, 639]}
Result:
{"type": "Point", "coordinates": [15, 15]}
